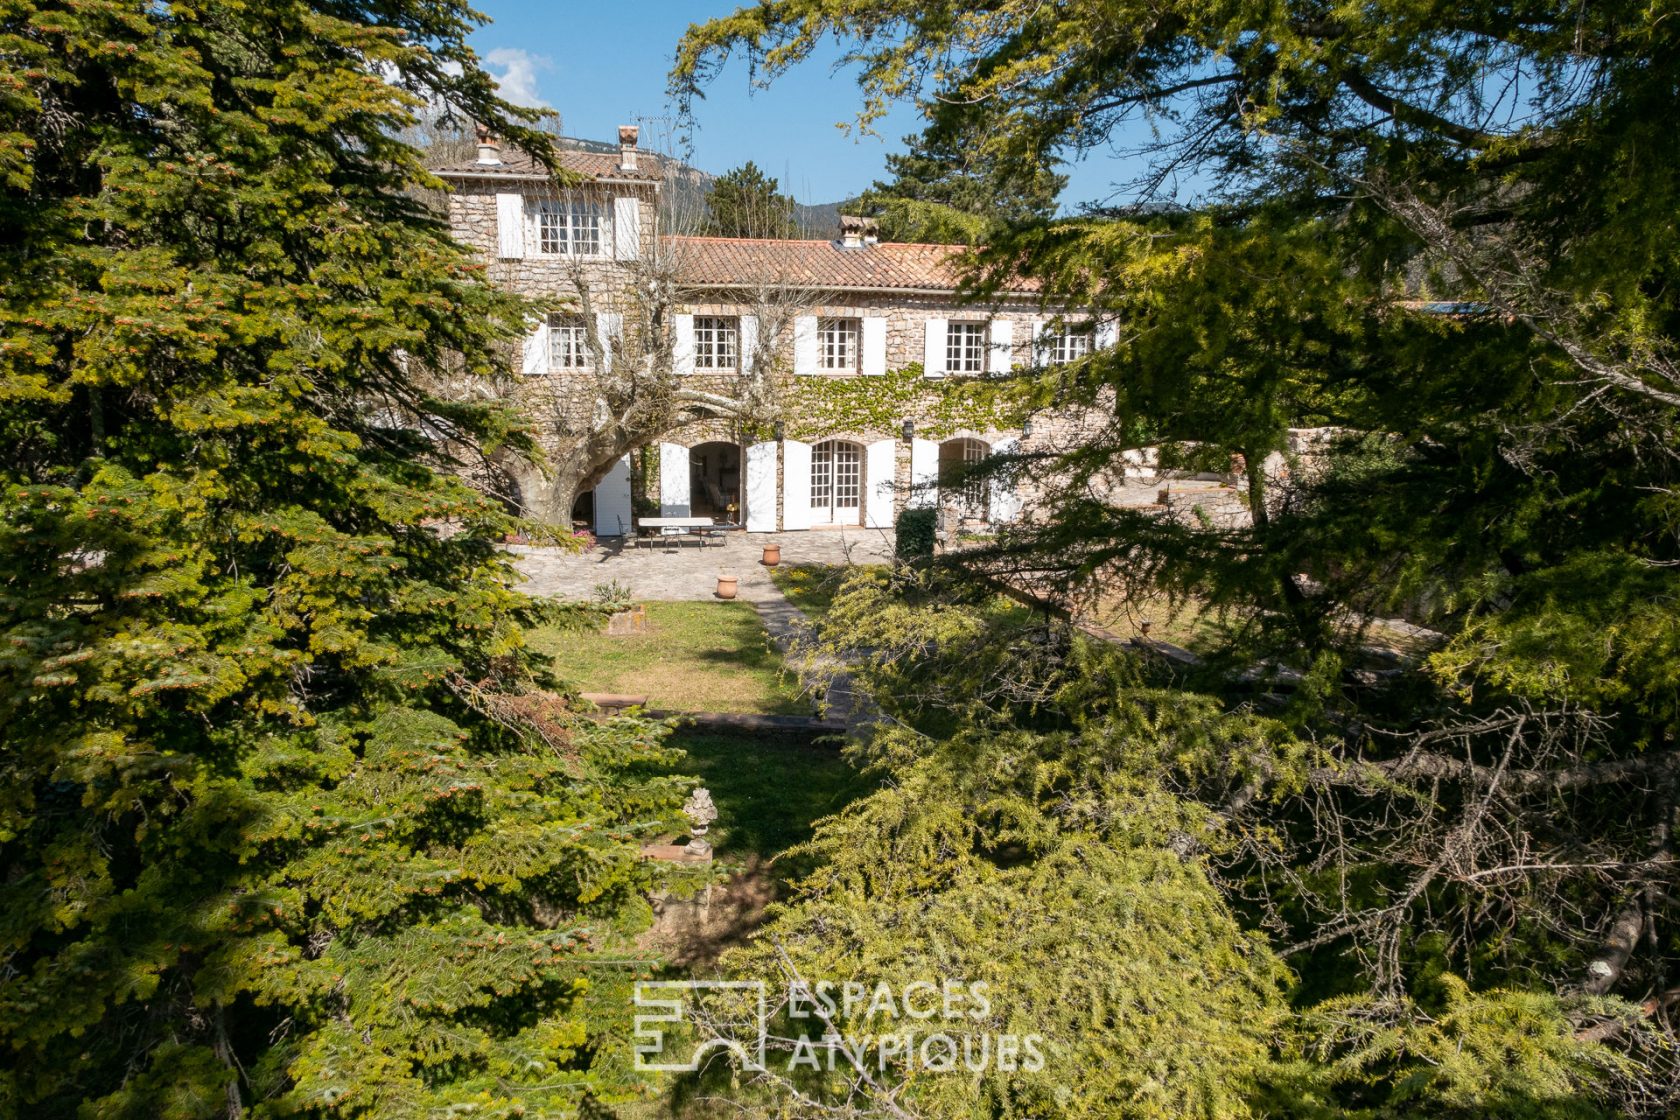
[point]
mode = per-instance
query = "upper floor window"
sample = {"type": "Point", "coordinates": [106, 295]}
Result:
{"type": "Point", "coordinates": [717, 342]}
{"type": "Point", "coordinates": [965, 348]}
{"type": "Point", "coordinates": [837, 345]}
{"type": "Point", "coordinates": [1068, 345]}
{"type": "Point", "coordinates": [568, 343]}
{"type": "Point", "coordinates": [569, 229]}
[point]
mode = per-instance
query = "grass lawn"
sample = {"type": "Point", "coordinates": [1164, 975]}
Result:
{"type": "Point", "coordinates": [695, 657]}
{"type": "Point", "coordinates": [810, 587]}
{"type": "Point", "coordinates": [768, 792]}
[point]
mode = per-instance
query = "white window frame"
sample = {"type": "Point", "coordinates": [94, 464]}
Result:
{"type": "Point", "coordinates": [717, 343]}
{"type": "Point", "coordinates": [1070, 344]}
{"type": "Point", "coordinates": [569, 228]}
{"type": "Point", "coordinates": [568, 344]}
{"type": "Point", "coordinates": [839, 345]}
{"type": "Point", "coordinates": [966, 346]}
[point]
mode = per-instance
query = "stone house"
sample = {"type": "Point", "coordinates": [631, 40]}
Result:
{"type": "Point", "coordinates": [848, 308]}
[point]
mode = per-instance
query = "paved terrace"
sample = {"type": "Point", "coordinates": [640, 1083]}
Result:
{"type": "Point", "coordinates": [671, 571]}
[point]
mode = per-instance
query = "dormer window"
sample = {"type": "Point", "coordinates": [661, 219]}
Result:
{"type": "Point", "coordinates": [569, 229]}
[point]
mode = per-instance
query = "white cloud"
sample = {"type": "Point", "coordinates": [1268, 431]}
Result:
{"type": "Point", "coordinates": [515, 72]}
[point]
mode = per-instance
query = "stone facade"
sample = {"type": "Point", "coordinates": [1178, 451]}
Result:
{"type": "Point", "coordinates": [803, 478]}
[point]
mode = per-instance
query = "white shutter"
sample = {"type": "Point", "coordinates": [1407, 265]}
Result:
{"type": "Point", "coordinates": [612, 501]}
{"type": "Point", "coordinates": [1005, 498]}
{"type": "Point", "coordinates": [761, 488]}
{"type": "Point", "coordinates": [609, 328]}
{"type": "Point", "coordinates": [1002, 346]}
{"type": "Point", "coordinates": [796, 484]}
{"type": "Point", "coordinates": [1040, 342]}
{"type": "Point", "coordinates": [880, 475]}
{"type": "Point", "coordinates": [924, 474]}
{"type": "Point", "coordinates": [673, 480]}
{"type": "Point", "coordinates": [510, 226]}
{"type": "Point", "coordinates": [748, 342]}
{"type": "Point", "coordinates": [1108, 333]}
{"type": "Point", "coordinates": [805, 344]}
{"type": "Point", "coordinates": [536, 350]}
{"type": "Point", "coordinates": [874, 346]}
{"type": "Point", "coordinates": [682, 344]}
{"type": "Point", "coordinates": [627, 229]}
{"type": "Point", "coordinates": [933, 348]}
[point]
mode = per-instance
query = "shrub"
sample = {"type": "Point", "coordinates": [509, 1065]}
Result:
{"type": "Point", "coordinates": [916, 533]}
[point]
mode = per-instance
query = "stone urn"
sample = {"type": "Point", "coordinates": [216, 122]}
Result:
{"type": "Point", "coordinates": [700, 813]}
{"type": "Point", "coordinates": [727, 586]}
{"type": "Point", "coordinates": [772, 555]}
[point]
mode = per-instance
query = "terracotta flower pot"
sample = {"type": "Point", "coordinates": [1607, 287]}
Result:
{"type": "Point", "coordinates": [726, 587]}
{"type": "Point", "coordinates": [772, 555]}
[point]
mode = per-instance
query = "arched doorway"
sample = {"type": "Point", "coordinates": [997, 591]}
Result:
{"type": "Point", "coordinates": [959, 488]}
{"type": "Point", "coordinates": [837, 483]}
{"type": "Point", "coordinates": [714, 480]}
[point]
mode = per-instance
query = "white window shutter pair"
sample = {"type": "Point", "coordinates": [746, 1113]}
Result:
{"type": "Point", "coordinates": [627, 229]}
{"type": "Point", "coordinates": [748, 342]}
{"type": "Point", "coordinates": [682, 344]}
{"type": "Point", "coordinates": [933, 348]}
{"type": "Point", "coordinates": [510, 226]}
{"type": "Point", "coordinates": [1002, 349]}
{"type": "Point", "coordinates": [874, 358]}
{"type": "Point", "coordinates": [535, 358]}
{"type": "Point", "coordinates": [805, 344]}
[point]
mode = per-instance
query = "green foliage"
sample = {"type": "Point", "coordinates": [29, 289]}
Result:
{"type": "Point", "coordinates": [945, 192]}
{"type": "Point", "coordinates": [914, 533]}
{"type": "Point", "coordinates": [818, 405]}
{"type": "Point", "coordinates": [291, 824]}
{"type": "Point", "coordinates": [744, 202]}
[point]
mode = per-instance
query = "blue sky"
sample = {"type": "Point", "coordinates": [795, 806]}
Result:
{"type": "Point", "coordinates": [603, 64]}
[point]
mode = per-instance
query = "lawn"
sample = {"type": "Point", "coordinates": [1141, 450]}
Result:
{"type": "Point", "coordinates": [768, 792]}
{"type": "Point", "coordinates": [695, 657]}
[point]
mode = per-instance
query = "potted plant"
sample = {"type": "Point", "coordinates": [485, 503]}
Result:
{"type": "Point", "coordinates": [726, 587]}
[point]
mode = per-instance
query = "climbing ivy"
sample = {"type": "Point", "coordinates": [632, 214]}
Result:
{"type": "Point", "coordinates": [940, 407]}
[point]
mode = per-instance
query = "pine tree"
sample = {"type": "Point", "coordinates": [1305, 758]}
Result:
{"type": "Point", "coordinates": [945, 192]}
{"type": "Point", "coordinates": [290, 822]}
{"type": "Point", "coordinates": [745, 202]}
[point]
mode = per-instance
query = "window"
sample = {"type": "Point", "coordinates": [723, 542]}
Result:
{"type": "Point", "coordinates": [569, 229]}
{"type": "Point", "coordinates": [717, 342]}
{"type": "Point", "coordinates": [1068, 345]}
{"type": "Point", "coordinates": [837, 345]}
{"type": "Point", "coordinates": [965, 348]}
{"type": "Point", "coordinates": [568, 343]}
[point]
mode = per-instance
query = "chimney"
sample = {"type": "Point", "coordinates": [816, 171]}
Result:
{"type": "Point", "coordinates": [627, 134]}
{"type": "Point", "coordinates": [858, 233]}
{"type": "Point", "coordinates": [489, 147]}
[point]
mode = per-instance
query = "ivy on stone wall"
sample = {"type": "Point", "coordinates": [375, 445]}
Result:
{"type": "Point", "coordinates": [817, 407]}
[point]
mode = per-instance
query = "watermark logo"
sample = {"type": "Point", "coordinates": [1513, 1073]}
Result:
{"type": "Point", "coordinates": [921, 1026]}
{"type": "Point", "coordinates": [672, 1006]}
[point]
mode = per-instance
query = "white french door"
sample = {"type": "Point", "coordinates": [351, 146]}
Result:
{"type": "Point", "coordinates": [836, 483]}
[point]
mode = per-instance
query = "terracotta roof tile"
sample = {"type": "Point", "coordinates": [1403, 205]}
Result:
{"type": "Point", "coordinates": [519, 165]}
{"type": "Point", "coordinates": [727, 262]}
